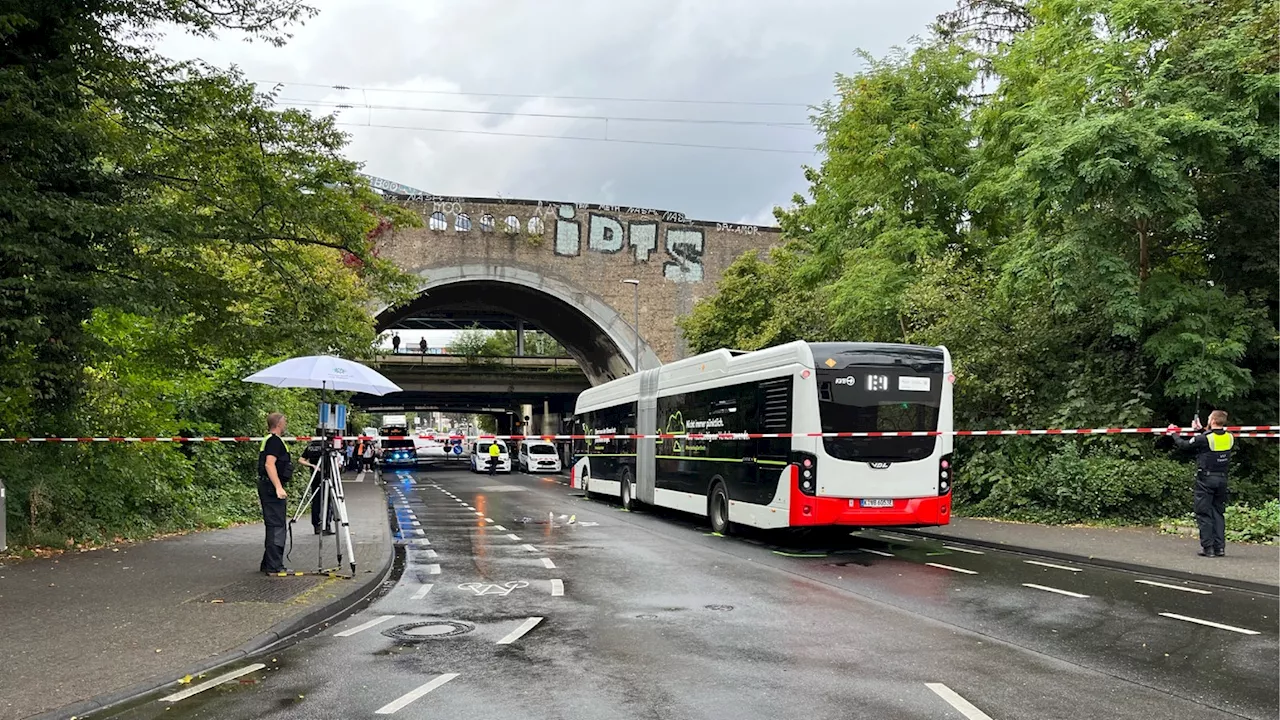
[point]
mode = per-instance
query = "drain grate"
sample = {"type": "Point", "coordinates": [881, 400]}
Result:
{"type": "Point", "coordinates": [263, 589]}
{"type": "Point", "coordinates": [720, 608]}
{"type": "Point", "coordinates": [433, 630]}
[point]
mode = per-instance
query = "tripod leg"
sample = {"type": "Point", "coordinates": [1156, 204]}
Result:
{"type": "Point", "coordinates": [344, 524]}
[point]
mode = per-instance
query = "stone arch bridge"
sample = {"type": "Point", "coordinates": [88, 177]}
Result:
{"type": "Point", "coordinates": [560, 266]}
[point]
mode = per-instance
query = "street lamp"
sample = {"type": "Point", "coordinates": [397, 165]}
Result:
{"type": "Point", "coordinates": [636, 284]}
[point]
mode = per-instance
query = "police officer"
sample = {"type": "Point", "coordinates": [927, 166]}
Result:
{"type": "Point", "coordinates": [275, 468]}
{"type": "Point", "coordinates": [494, 452]}
{"type": "Point", "coordinates": [1213, 456]}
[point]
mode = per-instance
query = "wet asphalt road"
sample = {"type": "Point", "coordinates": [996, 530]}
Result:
{"type": "Point", "coordinates": [501, 612]}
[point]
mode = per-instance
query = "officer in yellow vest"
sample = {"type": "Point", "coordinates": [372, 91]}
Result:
{"type": "Point", "coordinates": [494, 452]}
{"type": "Point", "coordinates": [1213, 457]}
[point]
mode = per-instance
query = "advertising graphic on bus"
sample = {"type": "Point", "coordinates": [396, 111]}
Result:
{"type": "Point", "coordinates": [778, 481]}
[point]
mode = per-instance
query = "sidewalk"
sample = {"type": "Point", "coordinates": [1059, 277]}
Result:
{"type": "Point", "coordinates": [1250, 567]}
{"type": "Point", "coordinates": [81, 631]}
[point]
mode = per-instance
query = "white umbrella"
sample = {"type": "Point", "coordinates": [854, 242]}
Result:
{"type": "Point", "coordinates": [325, 372]}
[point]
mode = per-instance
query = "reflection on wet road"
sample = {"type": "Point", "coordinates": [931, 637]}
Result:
{"type": "Point", "coordinates": [519, 598]}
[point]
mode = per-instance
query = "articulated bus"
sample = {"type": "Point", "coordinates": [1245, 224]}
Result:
{"type": "Point", "coordinates": [778, 482]}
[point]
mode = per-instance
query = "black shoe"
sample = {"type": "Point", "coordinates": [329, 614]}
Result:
{"type": "Point", "coordinates": [315, 529]}
{"type": "Point", "coordinates": [1220, 552]}
{"type": "Point", "coordinates": [329, 532]}
{"type": "Point", "coordinates": [1205, 553]}
{"type": "Point", "coordinates": [281, 571]}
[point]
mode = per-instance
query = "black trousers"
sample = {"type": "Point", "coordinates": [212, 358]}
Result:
{"type": "Point", "coordinates": [275, 517]}
{"type": "Point", "coordinates": [316, 501]}
{"type": "Point", "coordinates": [1210, 509]}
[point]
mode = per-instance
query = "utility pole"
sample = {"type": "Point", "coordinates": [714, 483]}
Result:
{"type": "Point", "coordinates": [635, 284]}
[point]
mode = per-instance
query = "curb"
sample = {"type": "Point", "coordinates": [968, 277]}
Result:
{"type": "Point", "coordinates": [1260, 588]}
{"type": "Point", "coordinates": [278, 634]}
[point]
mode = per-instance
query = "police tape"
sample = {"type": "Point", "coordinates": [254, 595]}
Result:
{"type": "Point", "coordinates": [1241, 431]}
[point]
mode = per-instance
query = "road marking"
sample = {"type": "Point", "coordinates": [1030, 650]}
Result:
{"type": "Point", "coordinates": [1046, 588]}
{"type": "Point", "coordinates": [878, 552]}
{"type": "Point", "coordinates": [360, 476]}
{"type": "Point", "coordinates": [433, 569]}
{"type": "Point", "coordinates": [488, 519]}
{"type": "Point", "coordinates": [431, 553]}
{"type": "Point", "coordinates": [953, 569]}
{"type": "Point", "coordinates": [964, 550]}
{"type": "Point", "coordinates": [365, 626]}
{"type": "Point", "coordinates": [479, 514]}
{"type": "Point", "coordinates": [493, 589]}
{"type": "Point", "coordinates": [415, 523]}
{"type": "Point", "coordinates": [1210, 623]}
{"type": "Point", "coordinates": [414, 694]}
{"type": "Point", "coordinates": [1051, 565]}
{"type": "Point", "coordinates": [1198, 591]}
{"type": "Point", "coordinates": [530, 548]}
{"type": "Point", "coordinates": [469, 507]}
{"type": "Point", "coordinates": [557, 588]}
{"type": "Point", "coordinates": [422, 592]}
{"type": "Point", "coordinates": [419, 531]}
{"type": "Point", "coordinates": [546, 562]}
{"type": "Point", "coordinates": [891, 536]}
{"type": "Point", "coordinates": [964, 707]}
{"type": "Point", "coordinates": [519, 632]}
{"type": "Point", "coordinates": [514, 536]}
{"type": "Point", "coordinates": [197, 689]}
{"type": "Point", "coordinates": [500, 528]}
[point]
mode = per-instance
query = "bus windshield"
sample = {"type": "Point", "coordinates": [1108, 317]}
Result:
{"type": "Point", "coordinates": [878, 399]}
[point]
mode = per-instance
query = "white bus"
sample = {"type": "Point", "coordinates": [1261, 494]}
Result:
{"type": "Point", "coordinates": [781, 482]}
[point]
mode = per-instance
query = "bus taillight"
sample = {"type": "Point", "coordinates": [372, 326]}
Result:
{"type": "Point", "coordinates": [946, 475]}
{"type": "Point", "coordinates": [804, 472]}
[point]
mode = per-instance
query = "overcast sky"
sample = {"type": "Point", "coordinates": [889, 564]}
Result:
{"type": "Point", "coordinates": [389, 51]}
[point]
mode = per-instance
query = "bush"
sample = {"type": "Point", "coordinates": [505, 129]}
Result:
{"type": "Point", "coordinates": [1254, 524]}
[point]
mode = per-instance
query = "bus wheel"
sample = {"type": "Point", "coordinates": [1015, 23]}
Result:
{"type": "Point", "coordinates": [627, 490]}
{"type": "Point", "coordinates": [718, 509]}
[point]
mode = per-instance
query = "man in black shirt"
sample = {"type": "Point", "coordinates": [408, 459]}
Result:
{"type": "Point", "coordinates": [275, 468]}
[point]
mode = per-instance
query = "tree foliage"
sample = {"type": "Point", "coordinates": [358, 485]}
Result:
{"type": "Point", "coordinates": [1091, 230]}
{"type": "Point", "coordinates": [165, 231]}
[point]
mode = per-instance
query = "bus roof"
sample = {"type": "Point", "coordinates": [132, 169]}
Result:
{"type": "Point", "coordinates": [707, 367]}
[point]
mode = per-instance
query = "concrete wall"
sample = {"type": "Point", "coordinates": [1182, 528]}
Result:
{"type": "Point", "coordinates": [590, 248]}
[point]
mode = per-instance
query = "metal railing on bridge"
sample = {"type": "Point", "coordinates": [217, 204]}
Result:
{"type": "Point", "coordinates": [515, 362]}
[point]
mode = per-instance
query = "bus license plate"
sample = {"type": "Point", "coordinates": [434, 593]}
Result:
{"type": "Point", "coordinates": [878, 502]}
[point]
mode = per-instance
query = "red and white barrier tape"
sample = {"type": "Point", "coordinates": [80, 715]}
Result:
{"type": "Point", "coordinates": [1246, 431]}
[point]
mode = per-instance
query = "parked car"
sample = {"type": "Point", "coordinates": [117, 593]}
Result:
{"type": "Point", "coordinates": [480, 456]}
{"type": "Point", "coordinates": [538, 456]}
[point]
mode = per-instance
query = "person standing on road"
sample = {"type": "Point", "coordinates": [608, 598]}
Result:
{"type": "Point", "coordinates": [494, 452]}
{"type": "Point", "coordinates": [275, 468]}
{"type": "Point", "coordinates": [1213, 457]}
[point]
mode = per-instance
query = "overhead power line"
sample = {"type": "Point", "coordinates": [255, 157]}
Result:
{"type": "Point", "coordinates": [605, 118]}
{"type": "Point", "coordinates": [582, 138]}
{"type": "Point", "coordinates": [674, 101]}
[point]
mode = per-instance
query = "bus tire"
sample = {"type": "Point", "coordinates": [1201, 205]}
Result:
{"type": "Point", "coordinates": [626, 491]}
{"type": "Point", "coordinates": [718, 508]}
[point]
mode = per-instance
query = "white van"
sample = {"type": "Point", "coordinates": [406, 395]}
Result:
{"type": "Point", "coordinates": [538, 456]}
{"type": "Point", "coordinates": [480, 456]}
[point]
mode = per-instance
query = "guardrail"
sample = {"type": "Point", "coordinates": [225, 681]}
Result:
{"type": "Point", "coordinates": [511, 361]}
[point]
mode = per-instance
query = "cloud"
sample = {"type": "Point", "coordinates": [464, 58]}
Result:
{"type": "Point", "coordinates": [683, 49]}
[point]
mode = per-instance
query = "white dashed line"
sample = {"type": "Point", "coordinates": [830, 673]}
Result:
{"type": "Point", "coordinates": [412, 695]}
{"type": "Point", "coordinates": [499, 527]}
{"type": "Point", "coordinates": [557, 588]}
{"type": "Point", "coordinates": [365, 626]}
{"type": "Point", "coordinates": [1051, 565]}
{"type": "Point", "coordinates": [197, 689]}
{"type": "Point", "coordinates": [415, 523]}
{"type": "Point", "coordinates": [488, 519]}
{"type": "Point", "coordinates": [514, 536]}
{"type": "Point", "coordinates": [479, 514]}
{"type": "Point", "coordinates": [877, 552]}
{"type": "Point", "coordinates": [964, 550]}
{"type": "Point", "coordinates": [964, 707]}
{"type": "Point", "coordinates": [546, 562]}
{"type": "Point", "coordinates": [433, 569]}
{"type": "Point", "coordinates": [1210, 623]}
{"type": "Point", "coordinates": [1197, 591]}
{"type": "Point", "coordinates": [530, 548]}
{"type": "Point", "coordinates": [468, 507]}
{"type": "Point", "coordinates": [1046, 588]}
{"type": "Point", "coordinates": [419, 531]}
{"type": "Point", "coordinates": [422, 592]}
{"type": "Point", "coordinates": [519, 632]}
{"type": "Point", "coordinates": [952, 569]}
{"type": "Point", "coordinates": [431, 553]}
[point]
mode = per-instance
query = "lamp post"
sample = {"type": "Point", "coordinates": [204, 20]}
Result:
{"type": "Point", "coordinates": [636, 285]}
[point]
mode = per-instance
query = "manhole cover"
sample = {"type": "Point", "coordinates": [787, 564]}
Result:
{"type": "Point", "coordinates": [262, 589]}
{"type": "Point", "coordinates": [647, 617]}
{"type": "Point", "coordinates": [415, 632]}
{"type": "Point", "coordinates": [720, 608]}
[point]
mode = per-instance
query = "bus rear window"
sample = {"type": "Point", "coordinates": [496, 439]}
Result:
{"type": "Point", "coordinates": [872, 399]}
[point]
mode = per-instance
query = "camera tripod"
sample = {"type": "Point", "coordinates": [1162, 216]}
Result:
{"type": "Point", "coordinates": [329, 494]}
